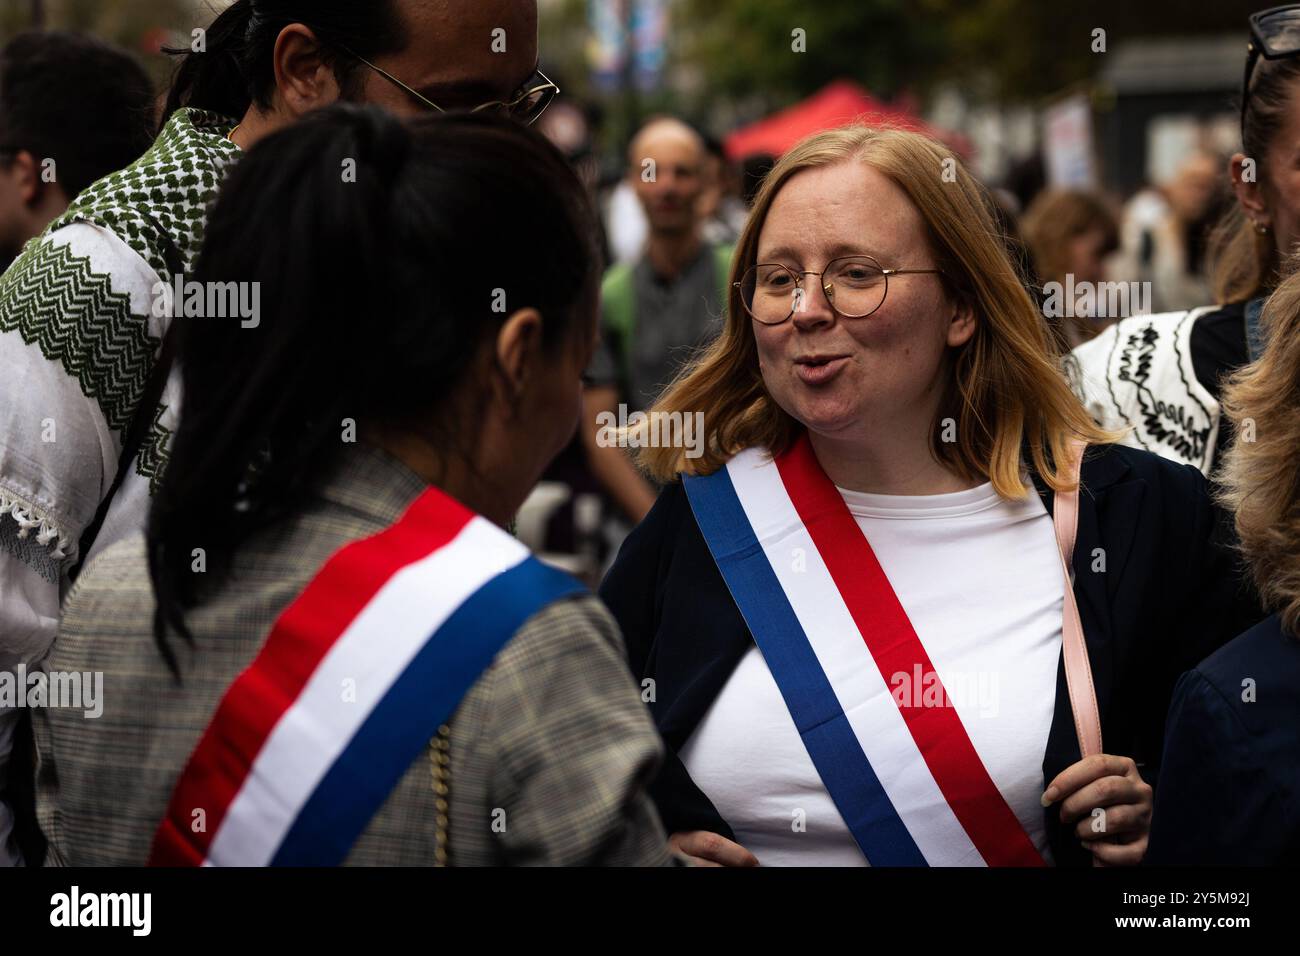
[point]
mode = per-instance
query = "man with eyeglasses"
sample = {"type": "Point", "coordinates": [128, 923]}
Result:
{"type": "Point", "coordinates": [87, 401]}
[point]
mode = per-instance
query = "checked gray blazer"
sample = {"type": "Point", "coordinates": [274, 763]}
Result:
{"type": "Point", "coordinates": [552, 743]}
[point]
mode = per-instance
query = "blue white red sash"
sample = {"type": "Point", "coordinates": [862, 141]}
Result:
{"type": "Point", "coordinates": [351, 685]}
{"type": "Point", "coordinates": [906, 778]}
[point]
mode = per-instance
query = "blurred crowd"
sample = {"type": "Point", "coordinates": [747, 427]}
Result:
{"type": "Point", "coordinates": [679, 196]}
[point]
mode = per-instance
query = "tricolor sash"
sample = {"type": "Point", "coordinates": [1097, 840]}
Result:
{"type": "Point", "coordinates": [907, 780]}
{"type": "Point", "coordinates": [351, 685]}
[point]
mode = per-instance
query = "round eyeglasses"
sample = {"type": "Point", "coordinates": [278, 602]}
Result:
{"type": "Point", "coordinates": [855, 286]}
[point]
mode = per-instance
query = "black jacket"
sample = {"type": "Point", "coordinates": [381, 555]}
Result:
{"type": "Point", "coordinates": [1169, 595]}
{"type": "Point", "coordinates": [1230, 788]}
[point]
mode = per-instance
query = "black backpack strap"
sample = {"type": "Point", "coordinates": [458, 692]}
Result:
{"type": "Point", "coordinates": [142, 420]}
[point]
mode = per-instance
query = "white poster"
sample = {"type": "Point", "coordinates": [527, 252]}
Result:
{"type": "Point", "coordinates": [1067, 144]}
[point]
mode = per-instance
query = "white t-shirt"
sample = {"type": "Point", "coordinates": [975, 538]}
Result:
{"type": "Point", "coordinates": [980, 580]}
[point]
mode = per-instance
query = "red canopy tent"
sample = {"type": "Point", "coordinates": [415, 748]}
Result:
{"type": "Point", "coordinates": [835, 105]}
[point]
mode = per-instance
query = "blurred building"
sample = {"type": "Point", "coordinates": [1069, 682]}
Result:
{"type": "Point", "coordinates": [1162, 98]}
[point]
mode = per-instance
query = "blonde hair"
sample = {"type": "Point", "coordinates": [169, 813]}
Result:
{"type": "Point", "coordinates": [1260, 476]}
{"type": "Point", "coordinates": [1006, 388]}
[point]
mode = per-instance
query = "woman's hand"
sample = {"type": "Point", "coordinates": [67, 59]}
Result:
{"type": "Point", "coordinates": [1112, 784]}
{"type": "Point", "coordinates": [703, 848]}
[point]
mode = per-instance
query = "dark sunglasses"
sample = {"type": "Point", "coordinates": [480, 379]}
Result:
{"type": "Point", "coordinates": [1274, 35]}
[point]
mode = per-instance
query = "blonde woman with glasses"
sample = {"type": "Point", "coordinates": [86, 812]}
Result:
{"type": "Point", "coordinates": [851, 615]}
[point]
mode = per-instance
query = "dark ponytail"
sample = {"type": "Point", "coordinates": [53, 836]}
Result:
{"type": "Point", "coordinates": [235, 68]}
{"type": "Point", "coordinates": [380, 248]}
{"type": "Point", "coordinates": [214, 80]}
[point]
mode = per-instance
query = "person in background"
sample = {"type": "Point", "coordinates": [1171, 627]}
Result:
{"type": "Point", "coordinates": [72, 110]}
{"type": "Point", "coordinates": [562, 519]}
{"type": "Point", "coordinates": [492, 719]}
{"type": "Point", "coordinates": [1229, 790]}
{"type": "Point", "coordinates": [722, 210]}
{"type": "Point", "coordinates": [571, 127]}
{"type": "Point", "coordinates": [83, 318]}
{"type": "Point", "coordinates": [625, 222]}
{"type": "Point", "coordinates": [657, 310]}
{"type": "Point", "coordinates": [1069, 234]}
{"type": "Point", "coordinates": [1025, 179]}
{"type": "Point", "coordinates": [1160, 376]}
{"type": "Point", "coordinates": [753, 170]}
{"type": "Point", "coordinates": [1162, 235]}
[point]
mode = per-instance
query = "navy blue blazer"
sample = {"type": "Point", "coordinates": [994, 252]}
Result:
{"type": "Point", "coordinates": [1230, 781]}
{"type": "Point", "coordinates": [1171, 593]}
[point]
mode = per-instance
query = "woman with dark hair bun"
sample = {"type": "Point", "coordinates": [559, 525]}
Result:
{"type": "Point", "coordinates": [326, 649]}
{"type": "Point", "coordinates": [85, 341]}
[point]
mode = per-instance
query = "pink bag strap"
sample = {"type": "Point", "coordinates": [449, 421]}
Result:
{"type": "Point", "coordinates": [1078, 670]}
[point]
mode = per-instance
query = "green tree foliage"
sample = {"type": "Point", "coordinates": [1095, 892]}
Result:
{"type": "Point", "coordinates": [1008, 50]}
{"type": "Point", "coordinates": [746, 47]}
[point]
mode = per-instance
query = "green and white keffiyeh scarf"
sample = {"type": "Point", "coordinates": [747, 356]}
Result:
{"type": "Point", "coordinates": [78, 339]}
